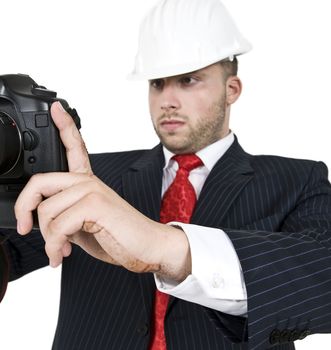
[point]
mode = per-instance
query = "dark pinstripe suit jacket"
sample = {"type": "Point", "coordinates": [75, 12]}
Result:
{"type": "Point", "coordinates": [276, 211]}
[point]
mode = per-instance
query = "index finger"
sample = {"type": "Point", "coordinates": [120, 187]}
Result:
{"type": "Point", "coordinates": [77, 156]}
{"type": "Point", "coordinates": [34, 192]}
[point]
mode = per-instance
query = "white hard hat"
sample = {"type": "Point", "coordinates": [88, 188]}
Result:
{"type": "Point", "coordinates": [181, 36]}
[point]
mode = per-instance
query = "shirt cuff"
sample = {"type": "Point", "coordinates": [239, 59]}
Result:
{"type": "Point", "coordinates": [217, 279]}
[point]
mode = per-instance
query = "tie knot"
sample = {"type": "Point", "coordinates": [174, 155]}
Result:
{"type": "Point", "coordinates": [187, 161]}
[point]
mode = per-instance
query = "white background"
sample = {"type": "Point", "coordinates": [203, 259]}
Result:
{"type": "Point", "coordinates": [84, 50]}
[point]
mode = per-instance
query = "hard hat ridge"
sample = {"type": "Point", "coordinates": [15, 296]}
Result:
{"type": "Point", "coordinates": [180, 36]}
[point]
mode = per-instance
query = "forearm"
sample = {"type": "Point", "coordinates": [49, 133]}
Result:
{"type": "Point", "coordinates": [288, 281]}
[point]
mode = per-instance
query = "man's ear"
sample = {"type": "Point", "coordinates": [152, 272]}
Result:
{"type": "Point", "coordinates": [233, 89]}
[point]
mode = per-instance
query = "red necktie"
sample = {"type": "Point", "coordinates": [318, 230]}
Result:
{"type": "Point", "coordinates": [177, 205]}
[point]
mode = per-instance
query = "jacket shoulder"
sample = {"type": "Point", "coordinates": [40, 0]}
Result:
{"type": "Point", "coordinates": [111, 165]}
{"type": "Point", "coordinates": [277, 163]}
{"type": "Point", "coordinates": [288, 169]}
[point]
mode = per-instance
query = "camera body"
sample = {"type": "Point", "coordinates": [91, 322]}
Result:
{"type": "Point", "coordinates": [29, 140]}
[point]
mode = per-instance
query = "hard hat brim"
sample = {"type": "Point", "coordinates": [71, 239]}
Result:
{"type": "Point", "coordinates": [185, 68]}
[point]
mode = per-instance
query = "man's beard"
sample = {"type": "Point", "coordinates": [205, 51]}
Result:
{"type": "Point", "coordinates": [205, 131]}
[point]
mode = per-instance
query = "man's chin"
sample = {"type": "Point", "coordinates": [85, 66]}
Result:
{"type": "Point", "coordinates": [175, 142]}
{"type": "Point", "coordinates": [177, 148]}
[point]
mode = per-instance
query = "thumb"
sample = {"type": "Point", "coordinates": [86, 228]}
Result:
{"type": "Point", "coordinates": [77, 156]}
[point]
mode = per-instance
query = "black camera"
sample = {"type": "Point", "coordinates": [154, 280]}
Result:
{"type": "Point", "coordinates": [29, 140]}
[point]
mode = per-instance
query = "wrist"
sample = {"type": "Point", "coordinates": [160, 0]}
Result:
{"type": "Point", "coordinates": [175, 257]}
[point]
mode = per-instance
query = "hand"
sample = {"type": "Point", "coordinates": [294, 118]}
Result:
{"type": "Point", "coordinates": [79, 208]}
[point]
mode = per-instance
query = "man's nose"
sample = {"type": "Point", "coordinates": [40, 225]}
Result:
{"type": "Point", "coordinates": [170, 101]}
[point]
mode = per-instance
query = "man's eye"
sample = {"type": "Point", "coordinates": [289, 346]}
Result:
{"type": "Point", "coordinates": [157, 84]}
{"type": "Point", "coordinates": [187, 80]}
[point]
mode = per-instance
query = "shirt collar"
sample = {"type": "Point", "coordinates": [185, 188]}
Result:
{"type": "Point", "coordinates": [209, 155]}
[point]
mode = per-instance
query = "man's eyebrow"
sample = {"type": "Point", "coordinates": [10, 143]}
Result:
{"type": "Point", "coordinates": [199, 72]}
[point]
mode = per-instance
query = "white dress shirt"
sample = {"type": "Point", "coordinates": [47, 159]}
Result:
{"type": "Point", "coordinates": [216, 280]}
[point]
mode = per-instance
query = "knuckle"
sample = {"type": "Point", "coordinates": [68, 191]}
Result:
{"type": "Point", "coordinates": [35, 178]}
{"type": "Point", "coordinates": [93, 184]}
{"type": "Point", "coordinates": [34, 181]}
{"type": "Point", "coordinates": [55, 227]}
{"type": "Point", "coordinates": [92, 197]}
{"type": "Point", "coordinates": [42, 209]}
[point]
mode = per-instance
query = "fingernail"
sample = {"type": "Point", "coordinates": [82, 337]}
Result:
{"type": "Point", "coordinates": [59, 104]}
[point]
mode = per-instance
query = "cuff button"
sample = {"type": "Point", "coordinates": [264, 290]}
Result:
{"type": "Point", "coordinates": [217, 281]}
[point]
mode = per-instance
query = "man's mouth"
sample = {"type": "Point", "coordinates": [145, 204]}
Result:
{"type": "Point", "coordinates": [171, 125]}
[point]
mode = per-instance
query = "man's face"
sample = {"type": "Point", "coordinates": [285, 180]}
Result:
{"type": "Point", "coordinates": [189, 111]}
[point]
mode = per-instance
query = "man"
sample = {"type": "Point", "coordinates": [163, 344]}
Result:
{"type": "Point", "coordinates": [261, 225]}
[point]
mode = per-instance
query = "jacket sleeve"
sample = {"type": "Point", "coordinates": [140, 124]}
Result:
{"type": "Point", "coordinates": [4, 271]}
{"type": "Point", "coordinates": [22, 254]}
{"type": "Point", "coordinates": [288, 273]}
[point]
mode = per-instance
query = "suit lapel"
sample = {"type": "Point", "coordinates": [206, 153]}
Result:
{"type": "Point", "coordinates": [223, 185]}
{"type": "Point", "coordinates": [142, 185]}
{"type": "Point", "coordinates": [143, 182]}
{"type": "Point", "coordinates": [142, 189]}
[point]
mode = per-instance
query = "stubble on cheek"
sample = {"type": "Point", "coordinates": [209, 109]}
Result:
{"type": "Point", "coordinates": [198, 132]}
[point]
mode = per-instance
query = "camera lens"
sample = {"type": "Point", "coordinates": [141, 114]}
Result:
{"type": "Point", "coordinates": [10, 143]}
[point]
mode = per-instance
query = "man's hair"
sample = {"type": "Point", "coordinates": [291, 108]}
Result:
{"type": "Point", "coordinates": [230, 67]}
